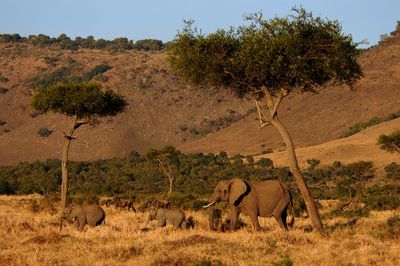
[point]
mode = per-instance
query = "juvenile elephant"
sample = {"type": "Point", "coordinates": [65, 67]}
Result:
{"type": "Point", "coordinates": [91, 214]}
{"type": "Point", "coordinates": [253, 198]}
{"type": "Point", "coordinates": [168, 216]}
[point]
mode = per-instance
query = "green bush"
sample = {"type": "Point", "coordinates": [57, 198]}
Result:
{"type": "Point", "coordinates": [392, 171]}
{"type": "Point", "coordinates": [391, 142]}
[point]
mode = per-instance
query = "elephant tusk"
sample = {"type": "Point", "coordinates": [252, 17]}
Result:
{"type": "Point", "coordinates": [209, 205]}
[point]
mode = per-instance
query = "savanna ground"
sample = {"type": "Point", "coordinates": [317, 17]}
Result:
{"type": "Point", "coordinates": [33, 238]}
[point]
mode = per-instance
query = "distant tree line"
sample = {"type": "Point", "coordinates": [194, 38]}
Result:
{"type": "Point", "coordinates": [195, 175]}
{"type": "Point", "coordinates": [65, 42]}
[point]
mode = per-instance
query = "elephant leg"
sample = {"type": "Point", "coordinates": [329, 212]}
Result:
{"type": "Point", "coordinates": [256, 224]}
{"type": "Point", "coordinates": [81, 222]}
{"type": "Point", "coordinates": [161, 222]}
{"type": "Point", "coordinates": [76, 223]}
{"type": "Point", "coordinates": [233, 214]}
{"type": "Point", "coordinates": [281, 219]}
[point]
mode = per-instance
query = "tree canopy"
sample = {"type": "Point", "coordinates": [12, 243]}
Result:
{"type": "Point", "coordinates": [78, 99]}
{"type": "Point", "coordinates": [294, 52]}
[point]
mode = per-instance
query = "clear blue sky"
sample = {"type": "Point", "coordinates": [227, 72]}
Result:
{"type": "Point", "coordinates": [160, 19]}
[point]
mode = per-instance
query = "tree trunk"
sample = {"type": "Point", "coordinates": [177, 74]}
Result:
{"type": "Point", "coordinates": [294, 167]}
{"type": "Point", "coordinates": [64, 168]}
{"type": "Point", "coordinates": [171, 182]}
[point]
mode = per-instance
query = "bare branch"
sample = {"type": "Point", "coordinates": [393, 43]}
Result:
{"type": "Point", "coordinates": [262, 119]}
{"type": "Point", "coordinates": [80, 123]}
{"type": "Point", "coordinates": [68, 136]}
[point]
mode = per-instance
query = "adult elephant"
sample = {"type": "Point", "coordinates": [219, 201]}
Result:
{"type": "Point", "coordinates": [253, 198]}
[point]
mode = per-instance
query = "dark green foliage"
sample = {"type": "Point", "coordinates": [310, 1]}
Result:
{"type": "Point", "coordinates": [265, 162]}
{"type": "Point", "coordinates": [64, 42]}
{"type": "Point", "coordinates": [80, 99]}
{"type": "Point", "coordinates": [149, 44]}
{"type": "Point", "coordinates": [97, 70]}
{"type": "Point", "coordinates": [294, 52]}
{"type": "Point", "coordinates": [386, 197]}
{"type": "Point", "coordinates": [391, 142]}
{"type": "Point", "coordinates": [195, 177]}
{"type": "Point", "coordinates": [45, 80]}
{"type": "Point", "coordinates": [44, 132]}
{"type": "Point", "coordinates": [393, 171]}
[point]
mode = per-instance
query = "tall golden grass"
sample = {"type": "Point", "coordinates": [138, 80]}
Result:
{"type": "Point", "coordinates": [33, 238]}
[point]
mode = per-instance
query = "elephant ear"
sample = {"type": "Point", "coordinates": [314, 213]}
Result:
{"type": "Point", "coordinates": [238, 189]}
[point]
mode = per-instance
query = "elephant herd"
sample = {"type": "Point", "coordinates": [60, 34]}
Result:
{"type": "Point", "coordinates": [251, 198]}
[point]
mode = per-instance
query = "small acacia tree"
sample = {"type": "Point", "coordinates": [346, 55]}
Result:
{"type": "Point", "coordinates": [167, 159]}
{"type": "Point", "coordinates": [267, 60]}
{"type": "Point", "coordinates": [82, 102]}
{"type": "Point", "coordinates": [391, 142]}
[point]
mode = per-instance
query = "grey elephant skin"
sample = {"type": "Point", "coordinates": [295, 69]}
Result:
{"type": "Point", "coordinates": [81, 215]}
{"type": "Point", "coordinates": [168, 216]}
{"type": "Point", "coordinates": [253, 198]}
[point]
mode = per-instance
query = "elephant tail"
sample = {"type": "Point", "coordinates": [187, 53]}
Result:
{"type": "Point", "coordinates": [291, 222]}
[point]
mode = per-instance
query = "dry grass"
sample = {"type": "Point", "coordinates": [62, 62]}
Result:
{"type": "Point", "coordinates": [33, 239]}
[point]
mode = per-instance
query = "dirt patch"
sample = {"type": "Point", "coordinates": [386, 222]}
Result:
{"type": "Point", "coordinates": [191, 241]}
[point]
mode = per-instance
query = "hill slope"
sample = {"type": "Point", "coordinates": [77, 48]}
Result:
{"type": "Point", "coordinates": [316, 118]}
{"type": "Point", "coordinates": [359, 147]}
{"type": "Point", "coordinates": [164, 111]}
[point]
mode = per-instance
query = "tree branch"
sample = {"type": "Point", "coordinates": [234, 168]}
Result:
{"type": "Point", "coordinates": [68, 136]}
{"type": "Point", "coordinates": [262, 120]}
{"type": "Point", "coordinates": [80, 123]}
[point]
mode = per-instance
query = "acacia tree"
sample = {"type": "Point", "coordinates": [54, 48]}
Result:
{"type": "Point", "coordinates": [82, 102]}
{"type": "Point", "coordinates": [167, 159]}
{"type": "Point", "coordinates": [268, 60]}
{"type": "Point", "coordinates": [391, 142]}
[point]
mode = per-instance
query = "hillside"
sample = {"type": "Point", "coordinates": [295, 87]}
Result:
{"type": "Point", "coordinates": [359, 147]}
{"type": "Point", "coordinates": [317, 118]}
{"type": "Point", "coordinates": [164, 111]}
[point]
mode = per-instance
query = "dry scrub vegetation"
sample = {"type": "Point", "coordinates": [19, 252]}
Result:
{"type": "Point", "coordinates": [33, 238]}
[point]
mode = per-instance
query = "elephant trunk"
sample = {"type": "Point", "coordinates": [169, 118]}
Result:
{"type": "Point", "coordinates": [212, 218]}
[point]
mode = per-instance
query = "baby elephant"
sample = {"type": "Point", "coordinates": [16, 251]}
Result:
{"type": "Point", "coordinates": [91, 214]}
{"type": "Point", "coordinates": [168, 216]}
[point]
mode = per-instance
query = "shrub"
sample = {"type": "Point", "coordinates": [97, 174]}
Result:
{"type": "Point", "coordinates": [96, 71]}
{"type": "Point", "coordinates": [361, 126]}
{"type": "Point", "coordinates": [265, 162]}
{"type": "Point", "coordinates": [44, 132]}
{"type": "Point", "coordinates": [392, 171]}
{"type": "Point", "coordinates": [149, 44]}
{"type": "Point", "coordinates": [267, 151]}
{"type": "Point", "coordinates": [3, 90]}
{"type": "Point", "coordinates": [386, 197]}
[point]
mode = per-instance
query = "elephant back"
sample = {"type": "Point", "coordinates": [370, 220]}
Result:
{"type": "Point", "coordinates": [270, 194]}
{"type": "Point", "coordinates": [95, 215]}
